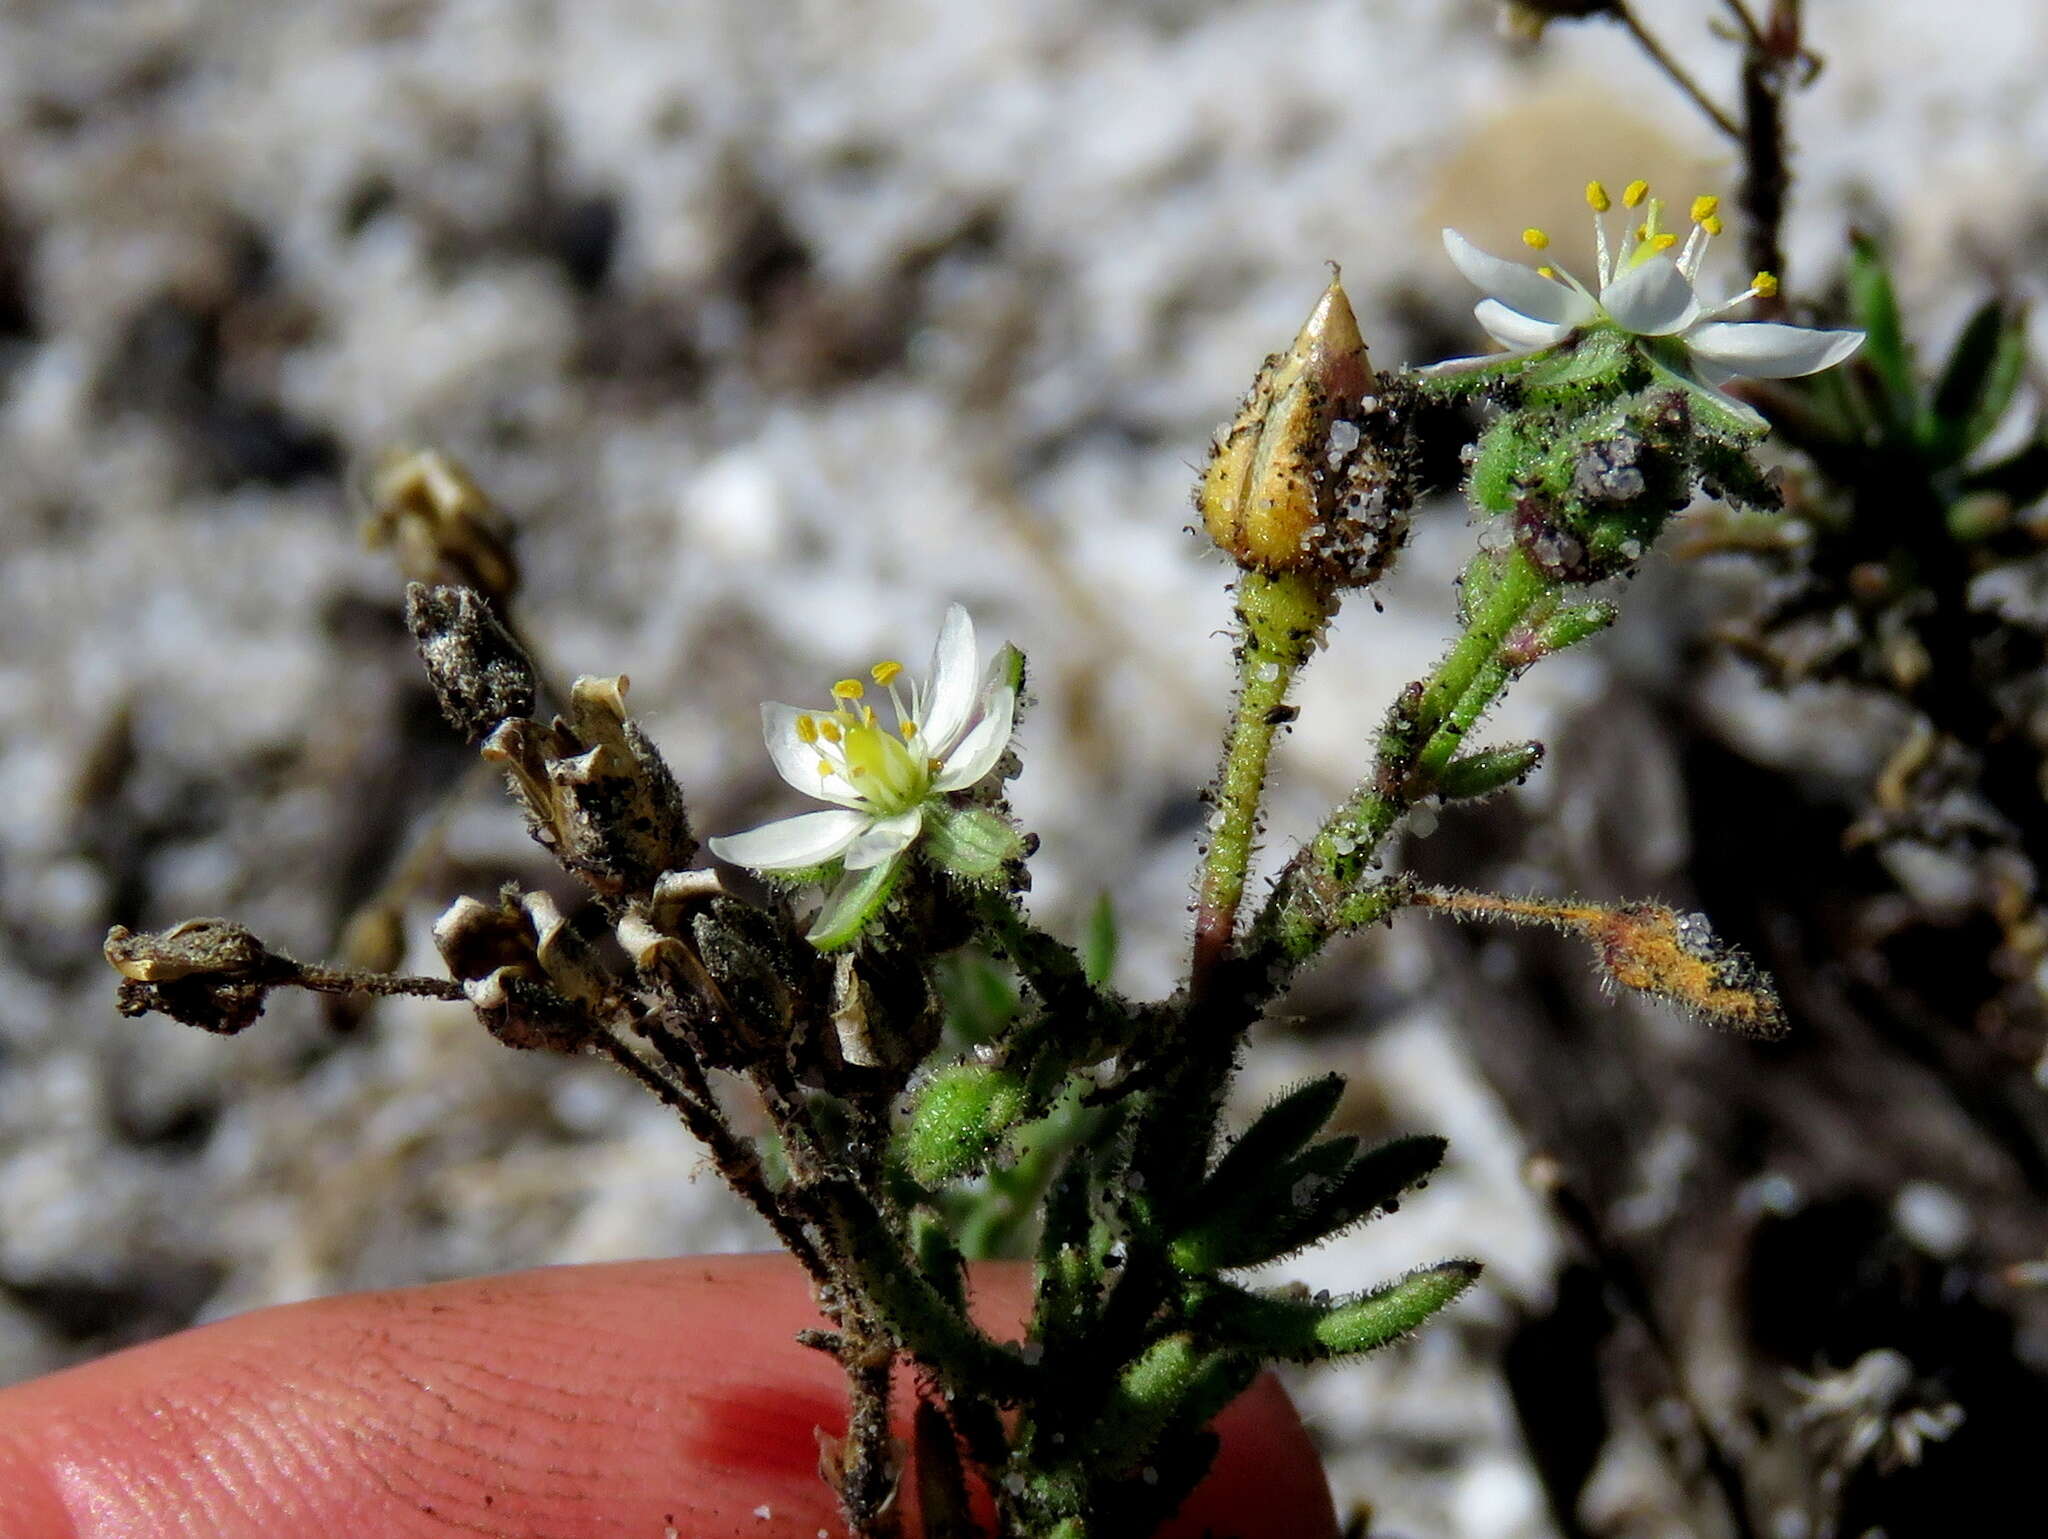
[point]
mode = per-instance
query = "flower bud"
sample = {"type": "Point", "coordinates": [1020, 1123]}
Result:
{"type": "Point", "coordinates": [1308, 478]}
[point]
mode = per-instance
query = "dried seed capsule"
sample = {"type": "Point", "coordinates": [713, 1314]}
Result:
{"type": "Point", "coordinates": [480, 674]}
{"type": "Point", "coordinates": [1310, 477]}
{"type": "Point", "coordinates": [441, 525]}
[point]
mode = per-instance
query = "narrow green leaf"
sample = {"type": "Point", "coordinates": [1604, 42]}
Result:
{"type": "Point", "coordinates": [2001, 384]}
{"type": "Point", "coordinates": [1876, 309]}
{"type": "Point", "coordinates": [1487, 771]}
{"type": "Point", "coordinates": [1308, 1200]}
{"type": "Point", "coordinates": [1173, 1384]}
{"type": "Point", "coordinates": [1305, 1330]}
{"type": "Point", "coordinates": [1960, 393]}
{"type": "Point", "coordinates": [1278, 1133]}
{"type": "Point", "coordinates": [1099, 946]}
{"type": "Point", "coordinates": [1575, 623]}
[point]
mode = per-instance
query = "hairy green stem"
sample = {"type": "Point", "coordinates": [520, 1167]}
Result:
{"type": "Point", "coordinates": [1282, 617]}
{"type": "Point", "coordinates": [1319, 893]}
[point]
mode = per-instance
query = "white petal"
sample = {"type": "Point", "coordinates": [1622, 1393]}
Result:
{"type": "Point", "coordinates": [949, 690]}
{"type": "Point", "coordinates": [978, 751]}
{"type": "Point", "coordinates": [1651, 299]}
{"type": "Point", "coordinates": [883, 839]}
{"type": "Point", "coordinates": [1515, 330]}
{"type": "Point", "coordinates": [797, 761]}
{"type": "Point", "coordinates": [1763, 350]}
{"type": "Point", "coordinates": [1521, 288]}
{"type": "Point", "coordinates": [810, 839]}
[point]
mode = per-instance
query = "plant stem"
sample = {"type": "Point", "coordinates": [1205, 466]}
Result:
{"type": "Point", "coordinates": [1676, 72]}
{"type": "Point", "coordinates": [1318, 894]}
{"type": "Point", "coordinates": [1282, 618]}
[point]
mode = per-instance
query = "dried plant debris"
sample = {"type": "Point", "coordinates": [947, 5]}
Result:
{"type": "Point", "coordinates": [1645, 947]}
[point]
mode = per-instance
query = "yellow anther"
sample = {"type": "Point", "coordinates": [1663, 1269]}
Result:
{"type": "Point", "coordinates": [867, 716]}
{"type": "Point", "coordinates": [1597, 199]}
{"type": "Point", "coordinates": [806, 729]}
{"type": "Point", "coordinates": [1765, 284]}
{"type": "Point", "coordinates": [909, 730]}
{"type": "Point", "coordinates": [1535, 239]}
{"type": "Point", "coordinates": [1712, 224]}
{"type": "Point", "coordinates": [1633, 194]}
{"type": "Point", "coordinates": [1664, 242]}
{"type": "Point", "coordinates": [884, 673]}
{"type": "Point", "coordinates": [828, 729]}
{"type": "Point", "coordinates": [824, 767]}
{"type": "Point", "coordinates": [1546, 271]}
{"type": "Point", "coordinates": [848, 689]}
{"type": "Point", "coordinates": [1704, 207]}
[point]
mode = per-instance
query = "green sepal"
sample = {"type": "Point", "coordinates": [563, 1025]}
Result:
{"type": "Point", "coordinates": [1487, 771]}
{"type": "Point", "coordinates": [1512, 442]}
{"type": "Point", "coordinates": [961, 1117]}
{"type": "Point", "coordinates": [1300, 1330]}
{"type": "Point", "coordinates": [852, 904]}
{"type": "Point", "coordinates": [973, 843]}
{"type": "Point", "coordinates": [1600, 364]}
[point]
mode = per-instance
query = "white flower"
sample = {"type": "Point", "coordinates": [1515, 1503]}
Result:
{"type": "Point", "coordinates": [1643, 290]}
{"type": "Point", "coordinates": [883, 781]}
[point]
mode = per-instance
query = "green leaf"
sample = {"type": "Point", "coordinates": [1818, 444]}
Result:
{"type": "Point", "coordinates": [1959, 393]}
{"type": "Point", "coordinates": [1306, 1202]}
{"type": "Point", "coordinates": [1306, 1331]}
{"type": "Point", "coordinates": [960, 1119]}
{"type": "Point", "coordinates": [1876, 309]}
{"type": "Point", "coordinates": [981, 999]}
{"type": "Point", "coordinates": [2001, 383]}
{"type": "Point", "coordinates": [1277, 1134]}
{"type": "Point", "coordinates": [1575, 623]}
{"type": "Point", "coordinates": [1099, 945]}
{"type": "Point", "coordinates": [1487, 771]}
{"type": "Point", "coordinates": [1173, 1384]}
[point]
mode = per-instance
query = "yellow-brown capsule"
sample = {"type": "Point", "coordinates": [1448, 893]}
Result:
{"type": "Point", "coordinates": [1301, 480]}
{"type": "Point", "coordinates": [442, 526]}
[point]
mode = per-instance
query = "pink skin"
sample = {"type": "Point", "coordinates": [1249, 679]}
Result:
{"type": "Point", "coordinates": [588, 1402]}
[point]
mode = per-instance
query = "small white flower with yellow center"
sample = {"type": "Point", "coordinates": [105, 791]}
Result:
{"type": "Point", "coordinates": [887, 783]}
{"type": "Point", "coordinates": [1643, 289]}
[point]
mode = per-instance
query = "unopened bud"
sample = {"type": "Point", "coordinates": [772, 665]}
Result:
{"type": "Point", "coordinates": [1308, 477]}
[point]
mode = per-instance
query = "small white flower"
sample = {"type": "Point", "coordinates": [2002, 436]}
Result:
{"type": "Point", "coordinates": [1645, 291]}
{"type": "Point", "coordinates": [882, 780]}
